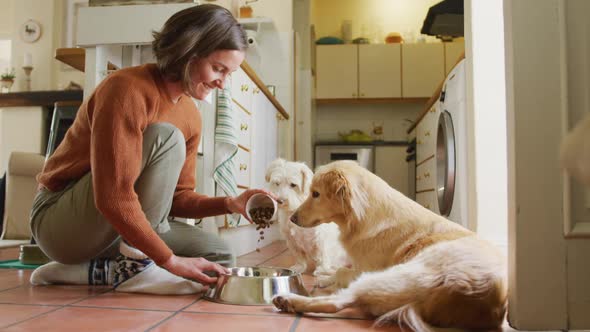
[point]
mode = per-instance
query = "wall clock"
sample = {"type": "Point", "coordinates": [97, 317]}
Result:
{"type": "Point", "coordinates": [30, 31]}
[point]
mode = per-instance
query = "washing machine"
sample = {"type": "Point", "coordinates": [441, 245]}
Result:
{"type": "Point", "coordinates": [451, 148]}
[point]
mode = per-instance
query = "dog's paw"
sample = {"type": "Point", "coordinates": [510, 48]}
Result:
{"type": "Point", "coordinates": [283, 303]}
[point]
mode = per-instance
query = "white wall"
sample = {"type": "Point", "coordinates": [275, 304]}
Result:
{"type": "Point", "coordinates": [41, 50]}
{"type": "Point", "coordinates": [537, 252]}
{"type": "Point", "coordinates": [6, 21]}
{"type": "Point", "coordinates": [488, 105]}
{"type": "Point", "coordinates": [47, 74]}
{"type": "Point", "coordinates": [375, 18]}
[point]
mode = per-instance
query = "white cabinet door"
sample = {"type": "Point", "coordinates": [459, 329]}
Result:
{"type": "Point", "coordinates": [380, 71]}
{"type": "Point", "coordinates": [242, 164]}
{"type": "Point", "coordinates": [337, 72]}
{"type": "Point", "coordinates": [259, 140]}
{"type": "Point", "coordinates": [453, 51]}
{"type": "Point", "coordinates": [426, 131]}
{"type": "Point", "coordinates": [271, 133]}
{"type": "Point", "coordinates": [391, 166]}
{"type": "Point", "coordinates": [241, 89]}
{"type": "Point", "coordinates": [244, 127]}
{"type": "Point", "coordinates": [423, 68]}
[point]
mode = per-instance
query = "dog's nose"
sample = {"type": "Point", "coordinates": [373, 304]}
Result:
{"type": "Point", "coordinates": [294, 218]}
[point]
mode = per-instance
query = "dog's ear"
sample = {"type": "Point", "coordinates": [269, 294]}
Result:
{"type": "Point", "coordinates": [277, 163]}
{"type": "Point", "coordinates": [306, 176]}
{"type": "Point", "coordinates": [352, 196]}
{"type": "Point", "coordinates": [338, 186]}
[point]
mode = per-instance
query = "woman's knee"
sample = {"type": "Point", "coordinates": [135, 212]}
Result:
{"type": "Point", "coordinates": [167, 137]}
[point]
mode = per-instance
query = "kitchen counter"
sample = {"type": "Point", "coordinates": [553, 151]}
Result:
{"type": "Point", "coordinates": [374, 143]}
{"type": "Point", "coordinates": [38, 98]}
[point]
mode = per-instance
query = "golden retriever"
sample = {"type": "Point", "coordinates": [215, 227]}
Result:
{"type": "Point", "coordinates": [409, 265]}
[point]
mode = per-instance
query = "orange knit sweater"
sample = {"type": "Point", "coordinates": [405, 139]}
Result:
{"type": "Point", "coordinates": [106, 140]}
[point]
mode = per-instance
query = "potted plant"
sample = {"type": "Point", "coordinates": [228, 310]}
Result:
{"type": "Point", "coordinates": [7, 79]}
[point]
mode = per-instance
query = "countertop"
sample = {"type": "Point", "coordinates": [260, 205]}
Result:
{"type": "Point", "coordinates": [39, 98]}
{"type": "Point", "coordinates": [374, 143]}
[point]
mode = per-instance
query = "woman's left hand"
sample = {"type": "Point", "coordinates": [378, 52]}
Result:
{"type": "Point", "coordinates": [238, 204]}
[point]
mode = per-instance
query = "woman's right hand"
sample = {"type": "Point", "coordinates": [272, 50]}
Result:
{"type": "Point", "coordinates": [193, 268]}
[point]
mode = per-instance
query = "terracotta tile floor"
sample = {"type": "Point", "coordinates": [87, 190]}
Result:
{"type": "Point", "coordinates": [80, 308]}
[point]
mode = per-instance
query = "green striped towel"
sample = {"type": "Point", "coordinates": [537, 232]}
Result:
{"type": "Point", "coordinates": [226, 147]}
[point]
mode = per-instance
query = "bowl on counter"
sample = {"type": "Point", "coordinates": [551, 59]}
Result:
{"type": "Point", "coordinates": [255, 285]}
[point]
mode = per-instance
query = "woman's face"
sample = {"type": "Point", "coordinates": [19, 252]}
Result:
{"type": "Point", "coordinates": [210, 72]}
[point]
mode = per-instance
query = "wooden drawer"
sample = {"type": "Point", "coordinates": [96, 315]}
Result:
{"type": "Point", "coordinates": [426, 175]}
{"type": "Point", "coordinates": [242, 89]}
{"type": "Point", "coordinates": [426, 134]}
{"type": "Point", "coordinates": [244, 126]}
{"type": "Point", "coordinates": [242, 167]}
{"type": "Point", "coordinates": [428, 200]}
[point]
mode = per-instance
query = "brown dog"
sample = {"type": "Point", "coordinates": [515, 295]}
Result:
{"type": "Point", "coordinates": [409, 264]}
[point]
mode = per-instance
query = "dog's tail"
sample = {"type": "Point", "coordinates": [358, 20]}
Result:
{"type": "Point", "coordinates": [405, 315]}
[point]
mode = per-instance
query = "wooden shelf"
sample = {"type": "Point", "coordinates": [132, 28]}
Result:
{"type": "Point", "coordinates": [339, 101]}
{"type": "Point", "coordinates": [73, 57]}
{"type": "Point", "coordinates": [39, 98]}
{"type": "Point", "coordinates": [76, 57]}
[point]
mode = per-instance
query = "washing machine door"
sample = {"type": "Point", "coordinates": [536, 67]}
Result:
{"type": "Point", "coordinates": [445, 163]}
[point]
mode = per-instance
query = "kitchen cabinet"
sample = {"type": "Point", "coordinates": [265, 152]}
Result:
{"type": "Point", "coordinates": [337, 71]}
{"type": "Point", "coordinates": [391, 166]}
{"type": "Point", "coordinates": [257, 128]}
{"type": "Point", "coordinates": [358, 71]}
{"type": "Point", "coordinates": [382, 72]}
{"type": "Point", "coordinates": [425, 136]}
{"type": "Point", "coordinates": [379, 71]}
{"type": "Point", "coordinates": [425, 158]}
{"type": "Point", "coordinates": [423, 68]}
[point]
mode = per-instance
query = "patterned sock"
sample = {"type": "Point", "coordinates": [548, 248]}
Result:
{"type": "Point", "coordinates": [129, 263]}
{"type": "Point", "coordinates": [100, 271]}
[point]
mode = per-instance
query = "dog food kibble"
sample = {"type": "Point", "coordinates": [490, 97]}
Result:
{"type": "Point", "coordinates": [261, 217]}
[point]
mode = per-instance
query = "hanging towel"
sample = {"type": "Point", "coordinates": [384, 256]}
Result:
{"type": "Point", "coordinates": [226, 147]}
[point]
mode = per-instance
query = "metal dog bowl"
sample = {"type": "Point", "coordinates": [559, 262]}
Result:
{"type": "Point", "coordinates": [255, 285]}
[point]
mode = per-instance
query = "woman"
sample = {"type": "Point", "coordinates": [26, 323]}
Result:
{"type": "Point", "coordinates": [128, 161]}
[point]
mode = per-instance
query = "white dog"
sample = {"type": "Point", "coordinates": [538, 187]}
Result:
{"type": "Point", "coordinates": [317, 249]}
{"type": "Point", "coordinates": [409, 264]}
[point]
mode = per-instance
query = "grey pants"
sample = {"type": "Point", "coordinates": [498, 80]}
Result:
{"type": "Point", "coordinates": [70, 230]}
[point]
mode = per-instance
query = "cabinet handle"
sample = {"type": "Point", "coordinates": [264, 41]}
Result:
{"type": "Point", "coordinates": [432, 110]}
{"type": "Point", "coordinates": [244, 87]}
{"type": "Point", "coordinates": [279, 116]}
{"type": "Point", "coordinates": [418, 142]}
{"type": "Point", "coordinates": [427, 206]}
{"type": "Point", "coordinates": [418, 178]}
{"type": "Point", "coordinates": [256, 91]}
{"type": "Point", "coordinates": [427, 133]}
{"type": "Point", "coordinates": [427, 175]}
{"type": "Point", "coordinates": [354, 94]}
{"type": "Point", "coordinates": [243, 167]}
{"type": "Point", "coordinates": [362, 94]}
{"type": "Point", "coordinates": [243, 126]}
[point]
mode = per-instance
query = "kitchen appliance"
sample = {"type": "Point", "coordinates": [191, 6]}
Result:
{"type": "Point", "coordinates": [451, 148]}
{"type": "Point", "coordinates": [363, 154]}
{"type": "Point", "coordinates": [444, 20]}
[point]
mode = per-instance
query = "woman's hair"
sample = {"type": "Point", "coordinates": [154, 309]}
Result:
{"type": "Point", "coordinates": [195, 32]}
